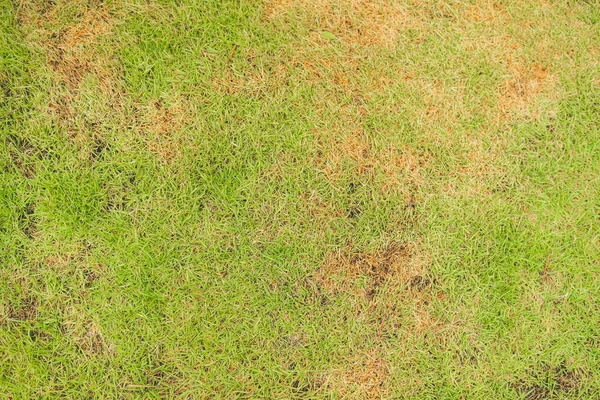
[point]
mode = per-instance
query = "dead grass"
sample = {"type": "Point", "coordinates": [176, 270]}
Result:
{"type": "Point", "coordinates": [22, 305]}
{"type": "Point", "coordinates": [529, 91]}
{"type": "Point", "coordinates": [487, 12]}
{"type": "Point", "coordinates": [360, 23]}
{"type": "Point", "coordinates": [344, 146]}
{"type": "Point", "coordinates": [393, 295]}
{"type": "Point", "coordinates": [81, 62]}
{"type": "Point", "coordinates": [85, 333]}
{"type": "Point", "coordinates": [74, 263]}
{"type": "Point", "coordinates": [343, 270]}
{"type": "Point", "coordinates": [520, 93]}
{"type": "Point", "coordinates": [161, 125]}
{"type": "Point", "coordinates": [71, 50]}
{"type": "Point", "coordinates": [564, 382]}
{"type": "Point", "coordinates": [72, 54]}
{"type": "Point", "coordinates": [25, 310]}
{"type": "Point", "coordinates": [362, 377]}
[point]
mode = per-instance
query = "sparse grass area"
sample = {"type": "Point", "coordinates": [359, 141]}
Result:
{"type": "Point", "coordinates": [300, 199]}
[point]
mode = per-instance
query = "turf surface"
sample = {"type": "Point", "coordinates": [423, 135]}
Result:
{"type": "Point", "coordinates": [300, 199]}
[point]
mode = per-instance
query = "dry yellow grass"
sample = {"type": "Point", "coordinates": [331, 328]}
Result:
{"type": "Point", "coordinates": [361, 377]}
{"type": "Point", "coordinates": [360, 23]}
{"type": "Point", "coordinates": [83, 64]}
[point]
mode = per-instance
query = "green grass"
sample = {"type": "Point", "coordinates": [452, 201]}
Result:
{"type": "Point", "coordinates": [311, 199]}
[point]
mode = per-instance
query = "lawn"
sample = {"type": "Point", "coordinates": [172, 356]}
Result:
{"type": "Point", "coordinates": [311, 199]}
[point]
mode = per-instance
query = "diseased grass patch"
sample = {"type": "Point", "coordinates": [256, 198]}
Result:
{"type": "Point", "coordinates": [342, 271]}
{"type": "Point", "coordinates": [554, 382]}
{"type": "Point", "coordinates": [71, 49]}
{"type": "Point", "coordinates": [25, 310]}
{"type": "Point", "coordinates": [521, 91]}
{"type": "Point", "coordinates": [362, 376]}
{"type": "Point", "coordinates": [90, 100]}
{"type": "Point", "coordinates": [356, 23]}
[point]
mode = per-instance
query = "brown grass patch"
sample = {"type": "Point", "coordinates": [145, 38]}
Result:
{"type": "Point", "coordinates": [390, 169]}
{"type": "Point", "coordinates": [83, 60]}
{"type": "Point", "coordinates": [257, 82]}
{"type": "Point", "coordinates": [487, 12]}
{"type": "Point", "coordinates": [402, 313]}
{"type": "Point", "coordinates": [355, 22]}
{"type": "Point", "coordinates": [73, 53]}
{"type": "Point", "coordinates": [71, 50]}
{"type": "Point", "coordinates": [563, 381]}
{"type": "Point", "coordinates": [423, 321]}
{"type": "Point", "coordinates": [160, 124]}
{"type": "Point", "coordinates": [76, 263]}
{"type": "Point", "coordinates": [362, 377]}
{"type": "Point", "coordinates": [85, 333]}
{"type": "Point", "coordinates": [522, 89]}
{"type": "Point", "coordinates": [25, 310]}
{"type": "Point", "coordinates": [342, 271]}
{"type": "Point", "coordinates": [318, 209]}
{"type": "Point", "coordinates": [392, 288]}
{"type": "Point", "coordinates": [21, 307]}
{"type": "Point", "coordinates": [343, 90]}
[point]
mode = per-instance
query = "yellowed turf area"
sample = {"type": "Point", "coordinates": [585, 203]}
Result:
{"type": "Point", "coordinates": [308, 199]}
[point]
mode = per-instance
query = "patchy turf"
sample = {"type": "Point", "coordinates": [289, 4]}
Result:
{"type": "Point", "coordinates": [299, 199]}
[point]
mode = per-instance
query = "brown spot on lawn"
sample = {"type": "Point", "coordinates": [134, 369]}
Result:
{"type": "Point", "coordinates": [523, 89]}
{"type": "Point", "coordinates": [394, 298]}
{"type": "Point", "coordinates": [424, 322]}
{"type": "Point", "coordinates": [85, 333]}
{"type": "Point", "coordinates": [568, 380]}
{"type": "Point", "coordinates": [487, 12]}
{"type": "Point", "coordinates": [388, 168]}
{"type": "Point", "coordinates": [161, 124]}
{"type": "Point", "coordinates": [559, 381]}
{"type": "Point", "coordinates": [76, 55]}
{"type": "Point", "coordinates": [546, 275]}
{"type": "Point", "coordinates": [357, 22]}
{"type": "Point", "coordinates": [76, 262]}
{"type": "Point", "coordinates": [83, 59]}
{"type": "Point", "coordinates": [24, 310]}
{"type": "Point", "coordinates": [92, 340]}
{"type": "Point", "coordinates": [344, 82]}
{"type": "Point", "coordinates": [318, 209]}
{"type": "Point", "coordinates": [343, 271]}
{"type": "Point", "coordinates": [405, 306]}
{"type": "Point", "coordinates": [71, 50]}
{"type": "Point", "coordinates": [364, 376]}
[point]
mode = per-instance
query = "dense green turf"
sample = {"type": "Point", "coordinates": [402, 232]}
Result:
{"type": "Point", "coordinates": [310, 199]}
